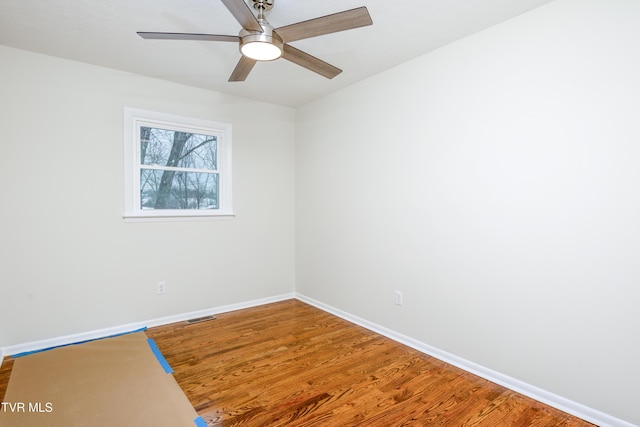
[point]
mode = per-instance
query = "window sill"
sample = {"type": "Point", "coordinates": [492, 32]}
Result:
{"type": "Point", "coordinates": [174, 218]}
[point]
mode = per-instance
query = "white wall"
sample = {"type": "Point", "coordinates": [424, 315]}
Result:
{"type": "Point", "coordinates": [494, 182]}
{"type": "Point", "coordinates": [69, 263]}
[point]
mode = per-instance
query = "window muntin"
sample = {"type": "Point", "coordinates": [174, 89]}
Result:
{"type": "Point", "coordinates": [176, 167]}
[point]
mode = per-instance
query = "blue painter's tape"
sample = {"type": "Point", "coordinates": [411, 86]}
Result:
{"type": "Point", "coordinates": [156, 351]}
{"type": "Point", "coordinates": [200, 422]}
{"type": "Point", "coordinates": [26, 353]}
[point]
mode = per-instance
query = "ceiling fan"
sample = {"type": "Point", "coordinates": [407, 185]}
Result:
{"type": "Point", "coordinates": [259, 41]}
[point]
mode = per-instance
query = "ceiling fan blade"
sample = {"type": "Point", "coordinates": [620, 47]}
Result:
{"type": "Point", "coordinates": [340, 21]}
{"type": "Point", "coordinates": [309, 62]}
{"type": "Point", "coordinates": [187, 36]}
{"type": "Point", "coordinates": [243, 14]}
{"type": "Point", "coordinates": [242, 70]}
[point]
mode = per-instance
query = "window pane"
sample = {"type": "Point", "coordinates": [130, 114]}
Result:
{"type": "Point", "coordinates": [178, 190]}
{"type": "Point", "coordinates": [178, 149]}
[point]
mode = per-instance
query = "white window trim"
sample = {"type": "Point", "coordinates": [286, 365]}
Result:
{"type": "Point", "coordinates": [133, 118]}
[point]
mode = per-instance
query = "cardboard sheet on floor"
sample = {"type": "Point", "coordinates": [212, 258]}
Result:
{"type": "Point", "coordinates": [111, 382]}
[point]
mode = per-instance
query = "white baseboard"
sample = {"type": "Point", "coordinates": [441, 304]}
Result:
{"type": "Point", "coordinates": [101, 333]}
{"type": "Point", "coordinates": [574, 408]}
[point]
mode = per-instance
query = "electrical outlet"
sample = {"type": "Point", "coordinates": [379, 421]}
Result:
{"type": "Point", "coordinates": [161, 288]}
{"type": "Point", "coordinates": [398, 296]}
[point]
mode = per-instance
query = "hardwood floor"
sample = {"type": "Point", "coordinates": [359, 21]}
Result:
{"type": "Point", "coordinates": [5, 372]}
{"type": "Point", "coordinates": [290, 364]}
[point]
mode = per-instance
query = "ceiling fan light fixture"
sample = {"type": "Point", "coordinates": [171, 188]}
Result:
{"type": "Point", "coordinates": [264, 46]}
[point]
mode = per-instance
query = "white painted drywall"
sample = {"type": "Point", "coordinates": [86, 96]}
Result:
{"type": "Point", "coordinates": [69, 261]}
{"type": "Point", "coordinates": [495, 183]}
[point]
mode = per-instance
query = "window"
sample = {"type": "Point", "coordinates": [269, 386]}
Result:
{"type": "Point", "coordinates": [176, 167]}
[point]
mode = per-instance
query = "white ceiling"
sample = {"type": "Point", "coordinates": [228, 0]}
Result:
{"type": "Point", "coordinates": [104, 33]}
